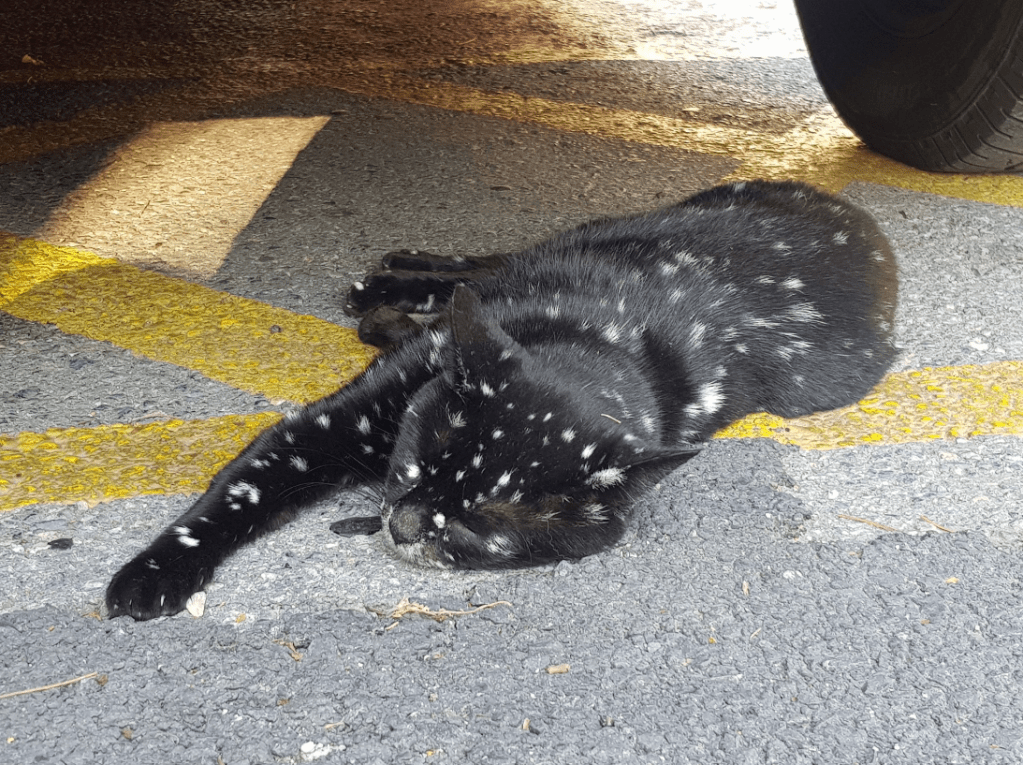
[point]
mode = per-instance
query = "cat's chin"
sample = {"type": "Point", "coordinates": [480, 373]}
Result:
{"type": "Point", "coordinates": [424, 554]}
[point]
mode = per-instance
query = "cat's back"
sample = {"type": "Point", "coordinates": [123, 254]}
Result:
{"type": "Point", "coordinates": [776, 283]}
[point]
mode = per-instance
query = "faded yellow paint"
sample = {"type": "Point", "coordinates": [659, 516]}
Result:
{"type": "Point", "coordinates": [118, 461]}
{"type": "Point", "coordinates": [906, 407]}
{"type": "Point", "coordinates": [178, 193]}
{"type": "Point", "coordinates": [244, 343]}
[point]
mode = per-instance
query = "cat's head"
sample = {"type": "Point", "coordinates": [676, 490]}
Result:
{"type": "Point", "coordinates": [499, 463]}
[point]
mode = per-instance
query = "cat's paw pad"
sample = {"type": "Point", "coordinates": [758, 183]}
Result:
{"type": "Point", "coordinates": [146, 588]}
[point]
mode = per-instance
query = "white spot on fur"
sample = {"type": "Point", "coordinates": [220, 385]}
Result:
{"type": "Point", "coordinates": [460, 475]}
{"type": "Point", "coordinates": [792, 283]}
{"type": "Point", "coordinates": [323, 421]}
{"type": "Point", "coordinates": [741, 348]}
{"type": "Point", "coordinates": [842, 237]}
{"type": "Point", "coordinates": [505, 479]}
{"type": "Point", "coordinates": [567, 435]}
{"type": "Point", "coordinates": [367, 449]}
{"type": "Point", "coordinates": [711, 397]}
{"type": "Point", "coordinates": [804, 312]}
{"type": "Point", "coordinates": [289, 436]}
{"type": "Point", "coordinates": [588, 450]}
{"type": "Point", "coordinates": [260, 463]}
{"type": "Point", "coordinates": [547, 416]}
{"type": "Point", "coordinates": [613, 332]}
{"type": "Point", "coordinates": [500, 545]}
{"type": "Point", "coordinates": [300, 464]}
{"type": "Point", "coordinates": [412, 471]}
{"type": "Point", "coordinates": [363, 425]}
{"type": "Point", "coordinates": [595, 512]}
{"type": "Point", "coordinates": [497, 434]}
{"type": "Point", "coordinates": [696, 334]}
{"type": "Point", "coordinates": [477, 461]}
{"type": "Point", "coordinates": [487, 390]}
{"type": "Point", "coordinates": [439, 520]}
{"type": "Point", "coordinates": [764, 280]}
{"type": "Point", "coordinates": [601, 479]}
{"type": "Point", "coordinates": [782, 246]}
{"type": "Point", "coordinates": [243, 488]}
{"type": "Point", "coordinates": [185, 536]}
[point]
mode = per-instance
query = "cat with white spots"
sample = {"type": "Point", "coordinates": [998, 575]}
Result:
{"type": "Point", "coordinates": [555, 385]}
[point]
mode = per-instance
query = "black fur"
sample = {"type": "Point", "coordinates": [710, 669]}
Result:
{"type": "Point", "coordinates": [558, 383]}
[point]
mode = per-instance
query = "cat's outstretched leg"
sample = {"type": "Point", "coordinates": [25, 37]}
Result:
{"type": "Point", "coordinates": [341, 440]}
{"type": "Point", "coordinates": [416, 282]}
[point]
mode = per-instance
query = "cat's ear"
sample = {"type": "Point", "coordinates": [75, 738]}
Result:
{"type": "Point", "coordinates": [479, 344]}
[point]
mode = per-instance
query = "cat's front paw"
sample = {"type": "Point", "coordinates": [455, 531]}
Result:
{"type": "Point", "coordinates": [146, 588]}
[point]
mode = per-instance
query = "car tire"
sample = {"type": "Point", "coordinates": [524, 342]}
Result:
{"type": "Point", "coordinates": [937, 84]}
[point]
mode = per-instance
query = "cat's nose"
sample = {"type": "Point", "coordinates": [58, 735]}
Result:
{"type": "Point", "coordinates": [405, 525]}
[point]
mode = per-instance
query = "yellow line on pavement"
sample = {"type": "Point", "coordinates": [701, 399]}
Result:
{"type": "Point", "coordinates": [119, 461]}
{"type": "Point", "coordinates": [821, 151]}
{"type": "Point", "coordinates": [244, 343]}
{"type": "Point", "coordinates": [908, 407]}
{"type": "Point", "coordinates": [177, 193]}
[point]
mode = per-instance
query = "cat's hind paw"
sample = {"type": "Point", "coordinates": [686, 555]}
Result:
{"type": "Point", "coordinates": [145, 588]}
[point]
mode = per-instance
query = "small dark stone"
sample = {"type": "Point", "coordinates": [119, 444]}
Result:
{"type": "Point", "coordinates": [64, 543]}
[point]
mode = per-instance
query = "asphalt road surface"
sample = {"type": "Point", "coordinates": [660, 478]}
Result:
{"type": "Point", "coordinates": [187, 190]}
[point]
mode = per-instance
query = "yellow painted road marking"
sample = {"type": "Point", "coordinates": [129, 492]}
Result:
{"type": "Point", "coordinates": [119, 461]}
{"type": "Point", "coordinates": [908, 407]}
{"type": "Point", "coordinates": [179, 192]}
{"type": "Point", "coordinates": [244, 343]}
{"type": "Point", "coordinates": [822, 151]}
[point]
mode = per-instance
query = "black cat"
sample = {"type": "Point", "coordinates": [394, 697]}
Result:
{"type": "Point", "coordinates": [558, 383]}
